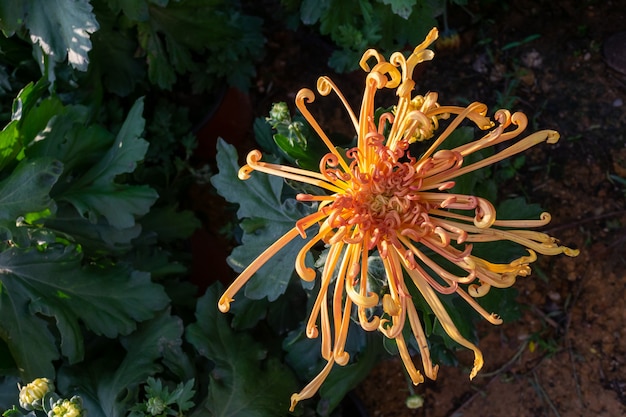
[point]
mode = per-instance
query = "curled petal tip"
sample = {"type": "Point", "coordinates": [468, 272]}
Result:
{"type": "Point", "coordinates": [224, 304]}
{"type": "Point", "coordinates": [254, 157]}
{"type": "Point", "coordinates": [312, 332]}
{"type": "Point", "coordinates": [495, 319]}
{"type": "Point", "coordinates": [416, 378]}
{"type": "Point", "coordinates": [342, 358]}
{"type": "Point", "coordinates": [294, 401]}
{"type": "Point", "coordinates": [478, 364]}
{"type": "Point", "coordinates": [553, 136]}
{"type": "Point", "coordinates": [244, 172]}
{"type": "Point", "coordinates": [307, 274]}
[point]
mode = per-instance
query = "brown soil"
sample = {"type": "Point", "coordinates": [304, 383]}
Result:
{"type": "Point", "coordinates": [574, 309]}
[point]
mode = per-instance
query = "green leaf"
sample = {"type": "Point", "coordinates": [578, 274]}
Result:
{"type": "Point", "coordinates": [342, 379]}
{"type": "Point", "coordinates": [177, 32]}
{"type": "Point", "coordinates": [93, 238]}
{"type": "Point", "coordinates": [263, 135]}
{"type": "Point", "coordinates": [12, 14]}
{"type": "Point", "coordinates": [503, 302]}
{"type": "Point", "coordinates": [110, 385]}
{"type": "Point", "coordinates": [108, 300]}
{"type": "Point", "coordinates": [267, 218]}
{"type": "Point", "coordinates": [128, 149]}
{"type": "Point", "coordinates": [402, 8]}
{"type": "Point", "coordinates": [170, 223]}
{"type": "Point", "coordinates": [118, 203]}
{"type": "Point", "coordinates": [11, 140]}
{"type": "Point", "coordinates": [260, 194]}
{"type": "Point", "coordinates": [133, 9]}
{"type": "Point", "coordinates": [243, 382]}
{"type": "Point", "coordinates": [62, 29]}
{"type": "Point", "coordinates": [8, 391]}
{"type": "Point", "coordinates": [143, 348]}
{"type": "Point", "coordinates": [10, 144]}
{"type": "Point", "coordinates": [30, 342]}
{"type": "Point", "coordinates": [311, 10]}
{"type": "Point", "coordinates": [113, 58]}
{"type": "Point", "coordinates": [28, 187]}
{"type": "Point", "coordinates": [518, 208]}
{"type": "Point", "coordinates": [96, 194]}
{"type": "Point", "coordinates": [58, 131]}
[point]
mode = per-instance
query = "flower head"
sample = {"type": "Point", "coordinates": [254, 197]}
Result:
{"type": "Point", "coordinates": [379, 197]}
{"type": "Point", "coordinates": [68, 408]}
{"type": "Point", "coordinates": [31, 395]}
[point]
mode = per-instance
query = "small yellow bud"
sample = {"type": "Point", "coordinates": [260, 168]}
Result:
{"type": "Point", "coordinates": [68, 408]}
{"type": "Point", "coordinates": [31, 395]}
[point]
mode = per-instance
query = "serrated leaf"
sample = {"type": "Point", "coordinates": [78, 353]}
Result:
{"type": "Point", "coordinates": [170, 223]}
{"type": "Point", "coordinates": [11, 140]}
{"type": "Point", "coordinates": [28, 187]}
{"type": "Point", "coordinates": [62, 29]}
{"type": "Point", "coordinates": [242, 383]}
{"type": "Point", "coordinates": [133, 9]}
{"type": "Point", "coordinates": [52, 130]}
{"type": "Point", "coordinates": [108, 300]}
{"type": "Point", "coordinates": [119, 204]}
{"type": "Point", "coordinates": [311, 10]}
{"type": "Point", "coordinates": [260, 202]}
{"type": "Point", "coordinates": [175, 33]}
{"type": "Point", "coordinates": [402, 8]}
{"type": "Point", "coordinates": [143, 347]}
{"type": "Point", "coordinates": [113, 58]}
{"type": "Point", "coordinates": [110, 384]}
{"type": "Point", "coordinates": [99, 237]}
{"type": "Point", "coordinates": [272, 279]}
{"type": "Point", "coordinates": [95, 193]}
{"type": "Point", "coordinates": [30, 342]}
{"type": "Point", "coordinates": [260, 194]}
{"type": "Point", "coordinates": [128, 149]}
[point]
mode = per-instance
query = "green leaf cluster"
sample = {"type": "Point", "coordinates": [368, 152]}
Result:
{"type": "Point", "coordinates": [61, 29]}
{"type": "Point", "coordinates": [91, 174]}
{"type": "Point", "coordinates": [355, 26]}
{"type": "Point", "coordinates": [61, 173]}
{"type": "Point", "coordinates": [161, 402]}
{"type": "Point", "coordinates": [244, 379]}
{"type": "Point", "coordinates": [133, 42]}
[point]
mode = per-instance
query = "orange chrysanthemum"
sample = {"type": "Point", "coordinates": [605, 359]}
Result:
{"type": "Point", "coordinates": [381, 198]}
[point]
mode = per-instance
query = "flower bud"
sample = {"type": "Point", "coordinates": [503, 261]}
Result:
{"type": "Point", "coordinates": [31, 395]}
{"type": "Point", "coordinates": [68, 408]}
{"type": "Point", "coordinates": [156, 406]}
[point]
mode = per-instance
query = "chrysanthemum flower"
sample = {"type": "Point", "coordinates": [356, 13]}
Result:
{"type": "Point", "coordinates": [380, 198]}
{"type": "Point", "coordinates": [31, 395]}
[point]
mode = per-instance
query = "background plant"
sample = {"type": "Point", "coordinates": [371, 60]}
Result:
{"type": "Point", "coordinates": [356, 26]}
{"type": "Point", "coordinates": [95, 158]}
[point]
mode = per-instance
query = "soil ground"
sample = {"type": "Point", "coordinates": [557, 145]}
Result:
{"type": "Point", "coordinates": [567, 355]}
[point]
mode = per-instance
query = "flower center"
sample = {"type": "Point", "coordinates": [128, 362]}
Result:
{"type": "Point", "coordinates": [381, 203]}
